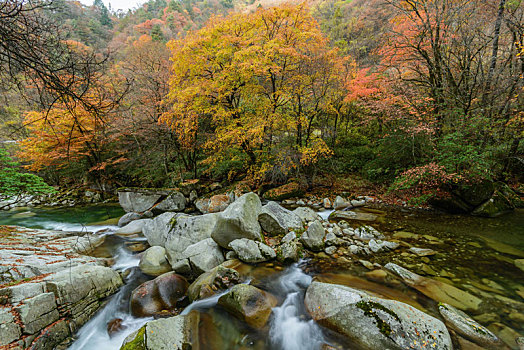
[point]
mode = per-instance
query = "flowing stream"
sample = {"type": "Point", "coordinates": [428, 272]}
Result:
{"type": "Point", "coordinates": [471, 250]}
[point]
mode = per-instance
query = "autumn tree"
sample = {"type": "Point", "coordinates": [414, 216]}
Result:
{"type": "Point", "coordinates": [254, 88]}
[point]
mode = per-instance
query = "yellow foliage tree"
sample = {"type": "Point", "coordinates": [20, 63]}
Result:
{"type": "Point", "coordinates": [256, 87]}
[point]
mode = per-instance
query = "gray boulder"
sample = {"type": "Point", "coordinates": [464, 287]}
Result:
{"type": "Point", "coordinates": [289, 237]}
{"type": "Point", "coordinates": [186, 230]}
{"type": "Point", "coordinates": [307, 214]}
{"type": "Point", "coordinates": [88, 243]}
{"type": "Point", "coordinates": [251, 251]}
{"type": "Point", "coordinates": [174, 333]}
{"type": "Point", "coordinates": [157, 230]}
{"type": "Point", "coordinates": [366, 233]}
{"type": "Point", "coordinates": [138, 201]}
{"type": "Point", "coordinates": [197, 258]}
{"type": "Point", "coordinates": [154, 262]}
{"type": "Point", "coordinates": [127, 218]}
{"type": "Point", "coordinates": [277, 220]}
{"type": "Point", "coordinates": [372, 322]}
{"type": "Point", "coordinates": [132, 228]}
{"type": "Point", "coordinates": [175, 201]}
{"type": "Point", "coordinates": [313, 237]}
{"type": "Point", "coordinates": [289, 252]}
{"type": "Point", "coordinates": [239, 220]}
{"type": "Point", "coordinates": [340, 203]}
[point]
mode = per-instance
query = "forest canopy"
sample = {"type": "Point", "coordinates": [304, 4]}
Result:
{"type": "Point", "coordinates": [416, 95]}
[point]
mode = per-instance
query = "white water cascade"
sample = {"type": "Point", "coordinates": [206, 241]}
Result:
{"type": "Point", "coordinates": [290, 329]}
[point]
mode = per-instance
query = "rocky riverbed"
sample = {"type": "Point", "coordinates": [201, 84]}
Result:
{"type": "Point", "coordinates": [266, 275]}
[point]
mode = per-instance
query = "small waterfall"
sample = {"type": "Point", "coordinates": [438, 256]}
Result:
{"type": "Point", "coordinates": [93, 335]}
{"type": "Point", "coordinates": [324, 214]}
{"type": "Point", "coordinates": [290, 328]}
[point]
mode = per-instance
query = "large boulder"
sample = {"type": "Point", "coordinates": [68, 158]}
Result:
{"type": "Point", "coordinates": [220, 278]}
{"type": "Point", "coordinates": [197, 258]}
{"type": "Point", "coordinates": [436, 290]}
{"type": "Point", "coordinates": [138, 200]}
{"type": "Point", "coordinates": [157, 230]}
{"type": "Point", "coordinates": [248, 303]}
{"type": "Point", "coordinates": [497, 205]}
{"type": "Point", "coordinates": [313, 237]}
{"type": "Point", "coordinates": [277, 220]}
{"type": "Point", "coordinates": [175, 201]}
{"type": "Point", "coordinates": [252, 251]}
{"type": "Point", "coordinates": [469, 328]}
{"type": "Point", "coordinates": [154, 262]}
{"type": "Point", "coordinates": [187, 230]}
{"type": "Point", "coordinates": [173, 333]}
{"type": "Point", "coordinates": [239, 220]}
{"type": "Point", "coordinates": [372, 322]}
{"type": "Point", "coordinates": [158, 297]}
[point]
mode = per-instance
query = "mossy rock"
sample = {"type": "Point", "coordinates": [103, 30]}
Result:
{"type": "Point", "coordinates": [135, 341]}
{"type": "Point", "coordinates": [289, 190]}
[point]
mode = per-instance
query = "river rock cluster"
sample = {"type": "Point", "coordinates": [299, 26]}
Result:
{"type": "Point", "coordinates": [207, 252]}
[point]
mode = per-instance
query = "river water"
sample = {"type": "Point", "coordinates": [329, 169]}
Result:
{"type": "Point", "coordinates": [475, 254]}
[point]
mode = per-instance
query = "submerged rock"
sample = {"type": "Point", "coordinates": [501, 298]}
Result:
{"type": "Point", "coordinates": [115, 326]}
{"type": "Point", "coordinates": [250, 251]}
{"type": "Point", "coordinates": [468, 328]}
{"type": "Point", "coordinates": [239, 220]}
{"type": "Point", "coordinates": [372, 322]}
{"type": "Point", "coordinates": [277, 220]}
{"type": "Point", "coordinates": [159, 296]}
{"type": "Point", "coordinates": [154, 261]}
{"type": "Point", "coordinates": [352, 215]}
{"type": "Point", "coordinates": [422, 251]}
{"type": "Point", "coordinates": [173, 333]}
{"type": "Point", "coordinates": [249, 304]}
{"type": "Point", "coordinates": [436, 290]}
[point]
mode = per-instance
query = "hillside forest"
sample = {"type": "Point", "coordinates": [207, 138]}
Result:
{"type": "Point", "coordinates": [410, 98]}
